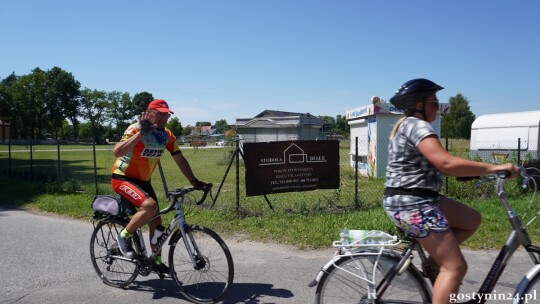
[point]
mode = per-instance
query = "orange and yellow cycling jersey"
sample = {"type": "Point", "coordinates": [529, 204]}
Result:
{"type": "Point", "coordinates": [142, 161]}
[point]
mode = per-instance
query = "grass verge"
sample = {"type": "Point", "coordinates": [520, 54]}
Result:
{"type": "Point", "coordinates": [300, 226]}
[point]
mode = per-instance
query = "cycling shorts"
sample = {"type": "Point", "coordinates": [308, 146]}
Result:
{"type": "Point", "coordinates": [419, 222]}
{"type": "Point", "coordinates": [133, 190]}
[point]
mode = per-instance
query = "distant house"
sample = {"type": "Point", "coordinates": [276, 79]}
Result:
{"type": "Point", "coordinates": [201, 135]}
{"type": "Point", "coordinates": [272, 125]}
{"type": "Point", "coordinates": [5, 129]}
{"type": "Point", "coordinates": [204, 131]}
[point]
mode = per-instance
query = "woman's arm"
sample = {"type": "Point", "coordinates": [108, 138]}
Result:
{"type": "Point", "coordinates": [450, 165]}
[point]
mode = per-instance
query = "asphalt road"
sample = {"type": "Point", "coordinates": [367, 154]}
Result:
{"type": "Point", "coordinates": [45, 259]}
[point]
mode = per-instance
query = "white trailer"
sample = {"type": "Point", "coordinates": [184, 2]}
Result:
{"type": "Point", "coordinates": [497, 137]}
{"type": "Point", "coordinates": [372, 125]}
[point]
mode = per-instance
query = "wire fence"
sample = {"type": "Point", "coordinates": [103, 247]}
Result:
{"type": "Point", "coordinates": [87, 168]}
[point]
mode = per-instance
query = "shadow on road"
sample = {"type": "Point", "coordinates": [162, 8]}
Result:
{"type": "Point", "coordinates": [10, 207]}
{"type": "Point", "coordinates": [239, 293]}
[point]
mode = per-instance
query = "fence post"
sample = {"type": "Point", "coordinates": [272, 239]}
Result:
{"type": "Point", "coordinates": [31, 161]}
{"type": "Point", "coordinates": [238, 175]}
{"type": "Point", "coordinates": [58, 152]}
{"type": "Point", "coordinates": [95, 167]}
{"type": "Point", "coordinates": [519, 152]}
{"type": "Point", "coordinates": [446, 178]}
{"type": "Point", "coordinates": [9, 157]}
{"type": "Point", "coordinates": [356, 203]}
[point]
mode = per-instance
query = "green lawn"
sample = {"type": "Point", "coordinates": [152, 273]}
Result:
{"type": "Point", "coordinates": [309, 219]}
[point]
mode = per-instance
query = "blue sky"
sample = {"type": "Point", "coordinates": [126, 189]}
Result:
{"type": "Point", "coordinates": [216, 60]}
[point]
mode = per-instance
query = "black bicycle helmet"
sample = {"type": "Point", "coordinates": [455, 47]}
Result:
{"type": "Point", "coordinates": [412, 91]}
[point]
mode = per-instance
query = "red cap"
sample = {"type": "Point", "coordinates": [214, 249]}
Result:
{"type": "Point", "coordinates": [160, 105]}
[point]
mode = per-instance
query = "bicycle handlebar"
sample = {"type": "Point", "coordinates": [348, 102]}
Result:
{"type": "Point", "coordinates": [500, 175]}
{"type": "Point", "coordinates": [183, 191]}
{"type": "Point", "coordinates": [175, 194]}
{"type": "Point", "coordinates": [522, 172]}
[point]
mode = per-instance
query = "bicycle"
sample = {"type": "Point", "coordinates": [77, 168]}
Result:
{"type": "Point", "coordinates": [199, 260]}
{"type": "Point", "coordinates": [384, 273]}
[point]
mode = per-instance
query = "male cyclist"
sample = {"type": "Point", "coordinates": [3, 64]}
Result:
{"type": "Point", "coordinates": [138, 154]}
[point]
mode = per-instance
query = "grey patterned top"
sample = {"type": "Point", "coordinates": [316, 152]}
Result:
{"type": "Point", "coordinates": [408, 168]}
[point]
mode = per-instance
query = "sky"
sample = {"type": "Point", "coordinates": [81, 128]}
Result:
{"type": "Point", "coordinates": [232, 59]}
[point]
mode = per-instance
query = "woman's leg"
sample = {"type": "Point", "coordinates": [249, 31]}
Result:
{"type": "Point", "coordinates": [443, 248]}
{"type": "Point", "coordinates": [463, 219]}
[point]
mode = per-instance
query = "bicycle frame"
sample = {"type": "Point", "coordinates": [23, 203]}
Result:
{"type": "Point", "coordinates": [178, 221]}
{"type": "Point", "coordinates": [518, 237]}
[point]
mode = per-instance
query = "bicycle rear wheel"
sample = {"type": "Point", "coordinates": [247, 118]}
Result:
{"type": "Point", "coordinates": [342, 283]}
{"type": "Point", "coordinates": [211, 278]}
{"type": "Point", "coordinates": [106, 256]}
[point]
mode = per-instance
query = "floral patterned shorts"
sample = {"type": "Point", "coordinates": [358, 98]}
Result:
{"type": "Point", "coordinates": [418, 223]}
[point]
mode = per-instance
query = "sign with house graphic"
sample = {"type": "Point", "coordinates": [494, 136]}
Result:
{"type": "Point", "coordinates": [289, 166]}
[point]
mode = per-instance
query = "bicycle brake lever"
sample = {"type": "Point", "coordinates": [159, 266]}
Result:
{"type": "Point", "coordinates": [526, 177]}
{"type": "Point", "coordinates": [206, 190]}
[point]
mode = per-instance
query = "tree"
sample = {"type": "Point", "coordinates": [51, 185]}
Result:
{"type": "Point", "coordinates": [140, 102]}
{"type": "Point", "coordinates": [94, 108]}
{"type": "Point", "coordinates": [341, 127]}
{"type": "Point", "coordinates": [329, 119]}
{"type": "Point", "coordinates": [230, 134]}
{"type": "Point", "coordinates": [222, 126]}
{"type": "Point", "coordinates": [186, 131]}
{"type": "Point", "coordinates": [330, 124]}
{"type": "Point", "coordinates": [175, 126]}
{"type": "Point", "coordinates": [121, 109]}
{"type": "Point", "coordinates": [202, 123]}
{"type": "Point", "coordinates": [28, 93]}
{"type": "Point", "coordinates": [62, 99]}
{"type": "Point", "coordinates": [6, 100]}
{"type": "Point", "coordinates": [457, 123]}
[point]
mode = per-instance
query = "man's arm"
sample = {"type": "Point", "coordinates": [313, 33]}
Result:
{"type": "Point", "coordinates": [124, 146]}
{"type": "Point", "coordinates": [184, 166]}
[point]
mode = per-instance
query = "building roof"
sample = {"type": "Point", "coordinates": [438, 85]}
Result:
{"type": "Point", "coordinates": [504, 120]}
{"type": "Point", "coordinates": [274, 118]}
{"type": "Point", "coordinates": [204, 131]}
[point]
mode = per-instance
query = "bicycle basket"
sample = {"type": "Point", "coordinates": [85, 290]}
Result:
{"type": "Point", "coordinates": [107, 204]}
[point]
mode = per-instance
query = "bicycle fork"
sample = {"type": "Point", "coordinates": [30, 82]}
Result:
{"type": "Point", "coordinates": [181, 219]}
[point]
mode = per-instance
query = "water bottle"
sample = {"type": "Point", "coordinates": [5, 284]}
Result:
{"type": "Point", "coordinates": [157, 233]}
{"type": "Point", "coordinates": [380, 237]}
{"type": "Point", "coordinates": [344, 237]}
{"type": "Point", "coordinates": [370, 237]}
{"type": "Point", "coordinates": [358, 236]}
{"type": "Point", "coordinates": [353, 236]}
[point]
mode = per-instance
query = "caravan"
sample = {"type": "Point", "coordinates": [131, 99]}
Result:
{"type": "Point", "coordinates": [496, 137]}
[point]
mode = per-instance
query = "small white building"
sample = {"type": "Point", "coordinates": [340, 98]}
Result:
{"type": "Point", "coordinates": [495, 136]}
{"type": "Point", "coordinates": [372, 125]}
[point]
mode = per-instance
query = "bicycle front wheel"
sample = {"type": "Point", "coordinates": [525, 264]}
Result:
{"type": "Point", "coordinates": [347, 281]}
{"type": "Point", "coordinates": [531, 293]}
{"type": "Point", "coordinates": [106, 257]}
{"type": "Point", "coordinates": [211, 277]}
